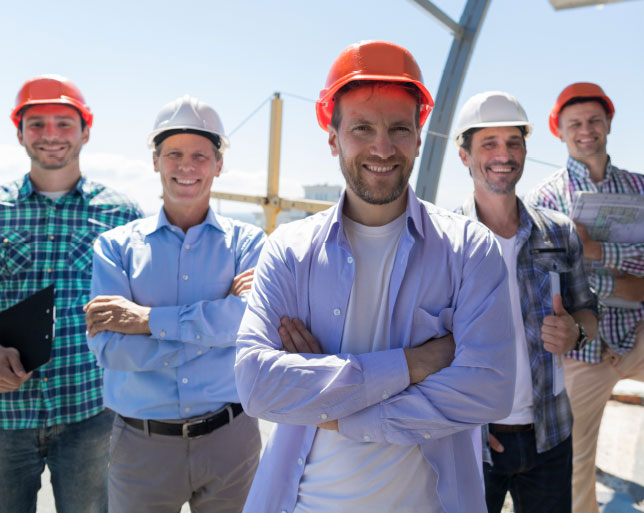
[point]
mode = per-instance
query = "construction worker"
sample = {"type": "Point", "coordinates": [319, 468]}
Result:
{"type": "Point", "coordinates": [581, 118]}
{"type": "Point", "coordinates": [168, 293]}
{"type": "Point", "coordinates": [552, 307]}
{"type": "Point", "coordinates": [49, 219]}
{"type": "Point", "coordinates": [366, 336]}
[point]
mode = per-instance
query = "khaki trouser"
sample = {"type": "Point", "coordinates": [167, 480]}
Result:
{"type": "Point", "coordinates": [158, 473]}
{"type": "Point", "coordinates": [589, 388]}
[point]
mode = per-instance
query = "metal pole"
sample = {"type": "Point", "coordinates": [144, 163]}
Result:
{"type": "Point", "coordinates": [449, 90]}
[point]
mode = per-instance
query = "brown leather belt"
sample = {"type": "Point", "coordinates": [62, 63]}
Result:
{"type": "Point", "coordinates": [190, 429]}
{"type": "Point", "coordinates": [510, 428]}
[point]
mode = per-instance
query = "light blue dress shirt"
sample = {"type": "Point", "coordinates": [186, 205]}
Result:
{"type": "Point", "coordinates": [448, 276]}
{"type": "Point", "coordinates": [185, 367]}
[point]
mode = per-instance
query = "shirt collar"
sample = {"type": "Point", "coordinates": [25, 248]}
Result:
{"type": "Point", "coordinates": [413, 217]}
{"type": "Point", "coordinates": [580, 170]}
{"type": "Point", "coordinates": [525, 218]}
{"type": "Point", "coordinates": [82, 187]}
{"type": "Point", "coordinates": [160, 221]}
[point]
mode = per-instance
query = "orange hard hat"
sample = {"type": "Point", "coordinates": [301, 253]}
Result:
{"type": "Point", "coordinates": [371, 60]}
{"type": "Point", "coordinates": [50, 89]}
{"type": "Point", "coordinates": [577, 90]}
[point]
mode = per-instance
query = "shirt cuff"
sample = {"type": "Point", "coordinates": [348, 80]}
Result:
{"type": "Point", "coordinates": [164, 322]}
{"type": "Point", "coordinates": [363, 426]}
{"type": "Point", "coordinates": [604, 284]}
{"type": "Point", "coordinates": [610, 255]}
{"type": "Point", "coordinates": [385, 374]}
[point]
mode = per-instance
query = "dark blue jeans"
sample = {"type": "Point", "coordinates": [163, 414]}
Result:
{"type": "Point", "coordinates": [76, 455]}
{"type": "Point", "coordinates": [538, 483]}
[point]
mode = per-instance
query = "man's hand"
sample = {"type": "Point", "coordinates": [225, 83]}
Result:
{"type": "Point", "coordinates": [12, 373]}
{"type": "Point", "coordinates": [629, 287]}
{"type": "Point", "coordinates": [331, 425]}
{"type": "Point", "coordinates": [115, 313]}
{"type": "Point", "coordinates": [296, 338]}
{"type": "Point", "coordinates": [559, 332]}
{"type": "Point", "coordinates": [430, 357]}
{"type": "Point", "coordinates": [495, 445]}
{"type": "Point", "coordinates": [592, 248]}
{"type": "Point", "coordinates": [242, 283]}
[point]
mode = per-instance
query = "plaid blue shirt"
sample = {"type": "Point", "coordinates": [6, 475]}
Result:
{"type": "Point", "coordinates": [43, 242]}
{"type": "Point", "coordinates": [540, 230]}
{"type": "Point", "coordinates": [616, 325]}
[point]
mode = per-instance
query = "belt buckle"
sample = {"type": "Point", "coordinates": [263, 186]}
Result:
{"type": "Point", "coordinates": [185, 428]}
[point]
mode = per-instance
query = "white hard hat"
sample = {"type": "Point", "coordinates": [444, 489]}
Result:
{"type": "Point", "coordinates": [189, 114]}
{"type": "Point", "coordinates": [492, 108]}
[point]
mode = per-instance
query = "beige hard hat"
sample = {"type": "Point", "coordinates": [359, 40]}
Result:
{"type": "Point", "coordinates": [190, 115]}
{"type": "Point", "coordinates": [491, 108]}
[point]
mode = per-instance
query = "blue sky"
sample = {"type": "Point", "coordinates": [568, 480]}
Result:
{"type": "Point", "coordinates": [130, 58]}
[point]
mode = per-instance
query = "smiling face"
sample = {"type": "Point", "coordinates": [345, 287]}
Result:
{"type": "Point", "coordinates": [584, 128]}
{"type": "Point", "coordinates": [496, 159]}
{"type": "Point", "coordinates": [187, 164]}
{"type": "Point", "coordinates": [52, 135]}
{"type": "Point", "coordinates": [376, 142]}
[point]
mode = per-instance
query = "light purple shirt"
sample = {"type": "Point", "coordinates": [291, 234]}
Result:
{"type": "Point", "coordinates": [448, 276]}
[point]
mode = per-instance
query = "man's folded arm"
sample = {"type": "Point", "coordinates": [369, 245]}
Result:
{"type": "Point", "coordinates": [172, 335]}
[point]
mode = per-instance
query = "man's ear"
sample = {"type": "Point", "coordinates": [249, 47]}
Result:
{"type": "Point", "coordinates": [465, 157]}
{"type": "Point", "coordinates": [20, 137]}
{"type": "Point", "coordinates": [85, 137]}
{"type": "Point", "coordinates": [219, 166]}
{"type": "Point", "coordinates": [333, 141]}
{"type": "Point", "coordinates": [155, 161]}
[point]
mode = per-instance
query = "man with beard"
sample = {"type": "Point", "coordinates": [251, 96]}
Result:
{"type": "Point", "coordinates": [581, 117]}
{"type": "Point", "coordinates": [551, 305]}
{"type": "Point", "coordinates": [366, 336]}
{"type": "Point", "coordinates": [49, 219]}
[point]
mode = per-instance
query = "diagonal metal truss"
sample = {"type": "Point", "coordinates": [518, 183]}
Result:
{"type": "Point", "coordinates": [465, 33]}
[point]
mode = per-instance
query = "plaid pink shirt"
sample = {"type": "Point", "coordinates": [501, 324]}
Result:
{"type": "Point", "coordinates": [616, 325]}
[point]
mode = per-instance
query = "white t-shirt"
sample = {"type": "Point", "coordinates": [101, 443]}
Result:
{"type": "Point", "coordinates": [523, 405]}
{"type": "Point", "coordinates": [366, 477]}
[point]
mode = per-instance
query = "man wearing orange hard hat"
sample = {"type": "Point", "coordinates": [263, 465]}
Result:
{"type": "Point", "coordinates": [581, 118]}
{"type": "Point", "coordinates": [367, 332]}
{"type": "Point", "coordinates": [54, 414]}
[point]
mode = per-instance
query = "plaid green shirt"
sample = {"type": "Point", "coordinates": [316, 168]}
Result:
{"type": "Point", "coordinates": [44, 242]}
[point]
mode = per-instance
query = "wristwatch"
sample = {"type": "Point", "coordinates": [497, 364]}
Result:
{"type": "Point", "coordinates": [583, 338]}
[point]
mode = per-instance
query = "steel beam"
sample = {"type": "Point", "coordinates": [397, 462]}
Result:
{"type": "Point", "coordinates": [442, 18]}
{"type": "Point", "coordinates": [449, 90]}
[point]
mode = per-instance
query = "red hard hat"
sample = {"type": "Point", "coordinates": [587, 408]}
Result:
{"type": "Point", "coordinates": [50, 89]}
{"type": "Point", "coordinates": [577, 90]}
{"type": "Point", "coordinates": [371, 60]}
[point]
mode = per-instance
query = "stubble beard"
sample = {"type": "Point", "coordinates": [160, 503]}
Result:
{"type": "Point", "coordinates": [352, 174]}
{"type": "Point", "coordinates": [53, 164]}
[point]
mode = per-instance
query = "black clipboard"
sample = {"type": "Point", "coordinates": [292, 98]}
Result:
{"type": "Point", "coordinates": [29, 327]}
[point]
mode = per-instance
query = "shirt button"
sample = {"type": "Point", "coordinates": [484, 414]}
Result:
{"type": "Point", "coordinates": [283, 511]}
{"type": "Point", "coordinates": [366, 438]}
{"type": "Point", "coordinates": [187, 408]}
{"type": "Point", "coordinates": [184, 380]}
{"type": "Point", "coordinates": [44, 379]}
{"type": "Point", "coordinates": [427, 436]}
{"type": "Point", "coordinates": [187, 246]}
{"type": "Point", "coordinates": [162, 334]}
{"type": "Point", "coordinates": [324, 416]}
{"type": "Point", "coordinates": [385, 395]}
{"type": "Point", "coordinates": [350, 260]}
{"type": "Point", "coordinates": [48, 269]}
{"type": "Point", "coordinates": [300, 461]}
{"type": "Point", "coordinates": [197, 336]}
{"type": "Point", "coordinates": [165, 364]}
{"type": "Point", "coordinates": [185, 277]}
{"type": "Point", "coordinates": [336, 311]}
{"type": "Point", "coordinates": [200, 351]}
{"type": "Point", "coordinates": [6, 241]}
{"type": "Point", "coordinates": [51, 237]}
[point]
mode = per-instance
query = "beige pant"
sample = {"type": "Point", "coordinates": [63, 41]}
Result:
{"type": "Point", "coordinates": [589, 387]}
{"type": "Point", "coordinates": [159, 473]}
